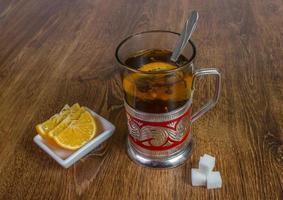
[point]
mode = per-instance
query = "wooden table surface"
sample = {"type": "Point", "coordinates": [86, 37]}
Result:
{"type": "Point", "coordinates": [58, 52]}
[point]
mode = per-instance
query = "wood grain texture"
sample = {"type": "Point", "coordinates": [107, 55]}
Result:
{"type": "Point", "coordinates": [58, 52]}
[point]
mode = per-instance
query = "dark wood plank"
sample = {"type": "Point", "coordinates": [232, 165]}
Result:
{"type": "Point", "coordinates": [58, 52]}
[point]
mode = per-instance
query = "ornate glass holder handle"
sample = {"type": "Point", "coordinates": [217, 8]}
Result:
{"type": "Point", "coordinates": [211, 102]}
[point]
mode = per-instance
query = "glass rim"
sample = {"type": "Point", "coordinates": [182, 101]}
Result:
{"type": "Point", "coordinates": [153, 72]}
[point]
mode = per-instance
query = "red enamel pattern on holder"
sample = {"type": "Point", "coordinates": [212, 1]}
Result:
{"type": "Point", "coordinates": [159, 136]}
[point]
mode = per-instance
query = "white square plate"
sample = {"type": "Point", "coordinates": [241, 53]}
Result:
{"type": "Point", "coordinates": [67, 157]}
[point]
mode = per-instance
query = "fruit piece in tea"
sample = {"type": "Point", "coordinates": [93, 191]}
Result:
{"type": "Point", "coordinates": [155, 88]}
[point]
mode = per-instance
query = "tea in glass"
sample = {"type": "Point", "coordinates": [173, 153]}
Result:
{"type": "Point", "coordinates": [159, 90]}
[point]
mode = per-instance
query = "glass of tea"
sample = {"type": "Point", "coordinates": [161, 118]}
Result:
{"type": "Point", "coordinates": [158, 97]}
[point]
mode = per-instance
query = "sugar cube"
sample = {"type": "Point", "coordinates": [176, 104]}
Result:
{"type": "Point", "coordinates": [214, 180]}
{"type": "Point", "coordinates": [206, 163]}
{"type": "Point", "coordinates": [198, 178]}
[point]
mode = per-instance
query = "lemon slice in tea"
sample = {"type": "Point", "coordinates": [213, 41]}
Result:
{"type": "Point", "coordinates": [156, 66]}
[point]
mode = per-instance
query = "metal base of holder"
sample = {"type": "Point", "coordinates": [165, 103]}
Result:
{"type": "Point", "coordinates": [170, 162]}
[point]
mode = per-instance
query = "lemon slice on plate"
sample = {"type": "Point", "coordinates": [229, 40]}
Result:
{"type": "Point", "coordinates": [77, 133]}
{"type": "Point", "coordinates": [70, 129]}
{"type": "Point", "coordinates": [43, 128]}
{"type": "Point", "coordinates": [65, 123]}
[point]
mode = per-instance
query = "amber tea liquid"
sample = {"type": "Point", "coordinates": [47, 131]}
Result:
{"type": "Point", "coordinates": [160, 87]}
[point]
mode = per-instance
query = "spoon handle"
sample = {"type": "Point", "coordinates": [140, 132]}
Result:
{"type": "Point", "coordinates": [185, 36]}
